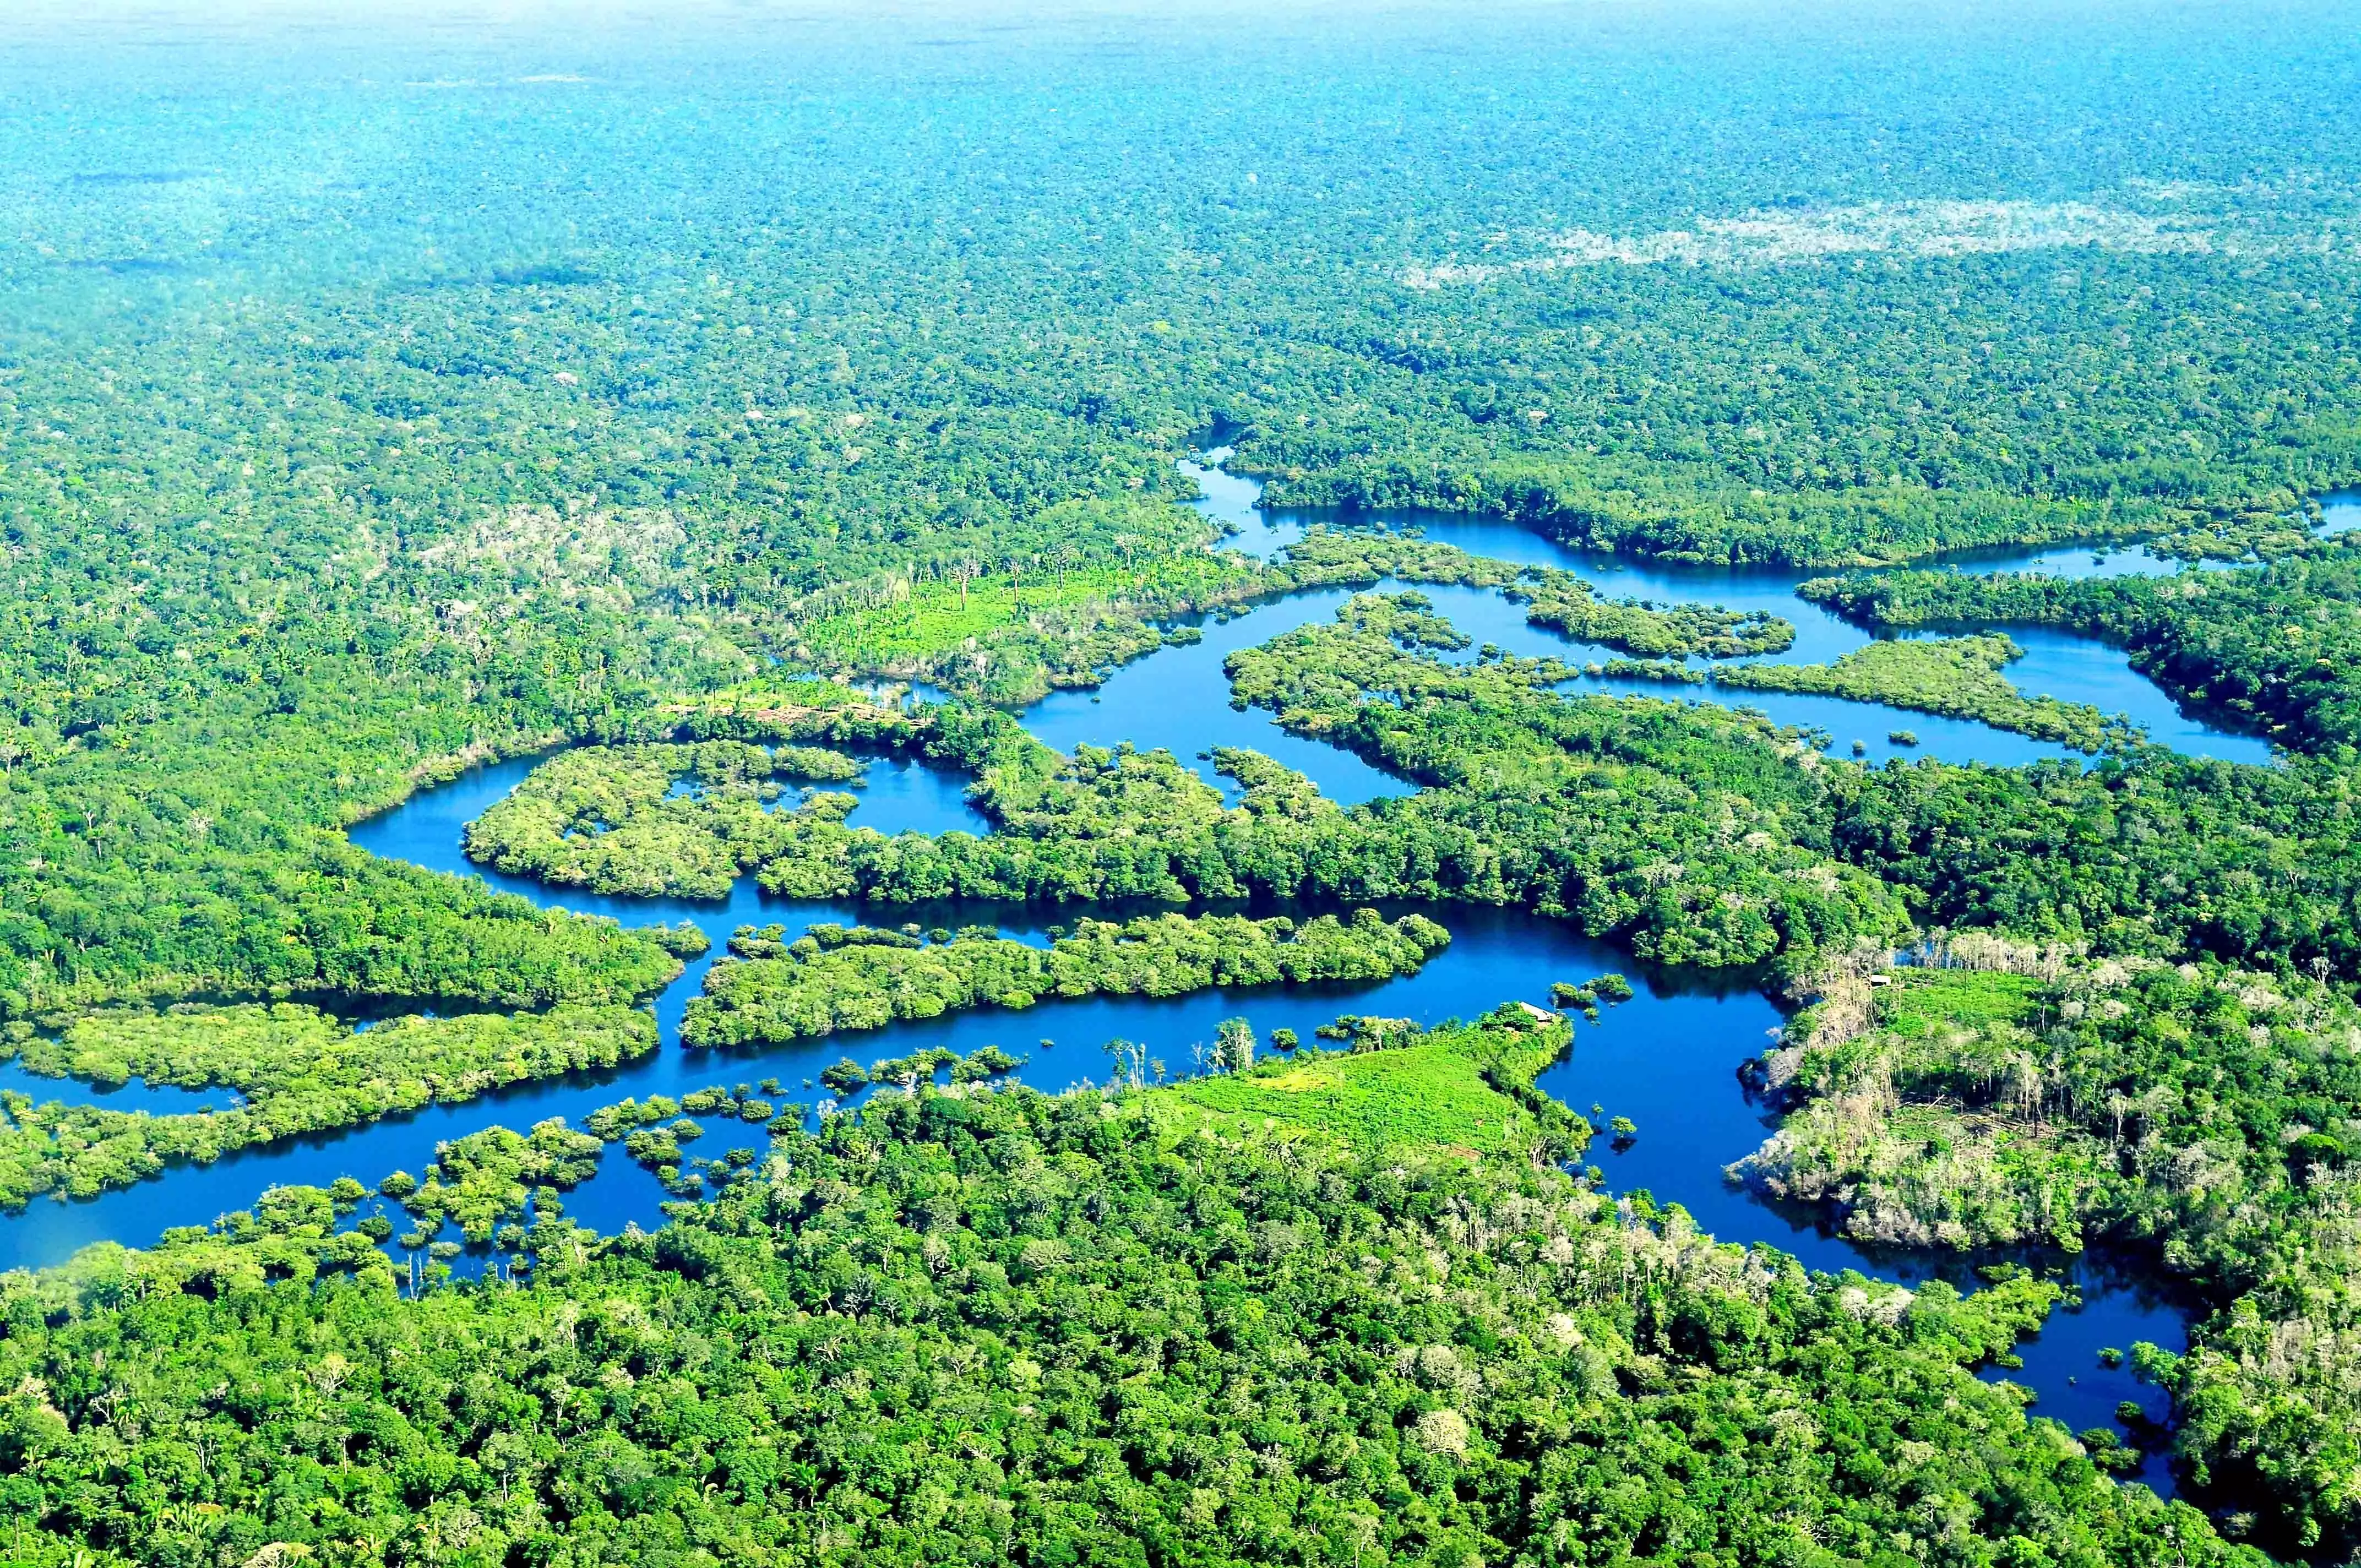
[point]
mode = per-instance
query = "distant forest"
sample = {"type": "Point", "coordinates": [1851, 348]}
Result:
{"type": "Point", "coordinates": [378, 401]}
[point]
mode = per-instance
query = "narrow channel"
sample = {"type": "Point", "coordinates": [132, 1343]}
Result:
{"type": "Point", "coordinates": [1668, 1059]}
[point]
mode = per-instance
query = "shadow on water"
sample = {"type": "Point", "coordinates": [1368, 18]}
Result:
{"type": "Point", "coordinates": [1668, 1060]}
{"type": "Point", "coordinates": [134, 1094]}
{"type": "Point", "coordinates": [2056, 663]}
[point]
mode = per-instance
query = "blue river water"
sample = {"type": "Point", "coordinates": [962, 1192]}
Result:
{"type": "Point", "coordinates": [1668, 1058]}
{"type": "Point", "coordinates": [2056, 664]}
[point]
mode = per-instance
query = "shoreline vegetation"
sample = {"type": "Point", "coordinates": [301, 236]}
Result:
{"type": "Point", "coordinates": [293, 1070]}
{"type": "Point", "coordinates": [1995, 1095]}
{"type": "Point", "coordinates": [1123, 824]}
{"type": "Point", "coordinates": [1009, 645]}
{"type": "Point", "coordinates": [1719, 524]}
{"type": "Point", "coordinates": [1493, 733]}
{"type": "Point", "coordinates": [1232, 1208]}
{"type": "Point", "coordinates": [620, 403]}
{"type": "Point", "coordinates": [2273, 649]}
{"type": "Point", "coordinates": [770, 990]}
{"type": "Point", "coordinates": [1959, 678]}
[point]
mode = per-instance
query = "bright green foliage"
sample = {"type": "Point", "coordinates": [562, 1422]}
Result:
{"type": "Point", "coordinates": [292, 1232]}
{"type": "Point", "coordinates": [302, 512]}
{"type": "Point", "coordinates": [1101, 825]}
{"type": "Point", "coordinates": [1553, 597]}
{"type": "Point", "coordinates": [1459, 1088]}
{"type": "Point", "coordinates": [816, 763]}
{"type": "Point", "coordinates": [325, 473]}
{"type": "Point", "coordinates": [1959, 678]}
{"type": "Point", "coordinates": [868, 984]}
{"type": "Point", "coordinates": [1007, 1327]}
{"type": "Point", "coordinates": [2275, 649]}
{"type": "Point", "coordinates": [481, 1180]}
{"type": "Point", "coordinates": [610, 1122]}
{"type": "Point", "coordinates": [276, 912]}
{"type": "Point", "coordinates": [1005, 625]}
{"type": "Point", "coordinates": [2209, 1114]}
{"type": "Point", "coordinates": [609, 818]}
{"type": "Point", "coordinates": [996, 639]}
{"type": "Point", "coordinates": [298, 1069]}
{"type": "Point", "coordinates": [1588, 993]}
{"type": "Point", "coordinates": [1649, 669]}
{"type": "Point", "coordinates": [1699, 517]}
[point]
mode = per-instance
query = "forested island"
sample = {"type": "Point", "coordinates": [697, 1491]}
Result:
{"type": "Point", "coordinates": [824, 1105]}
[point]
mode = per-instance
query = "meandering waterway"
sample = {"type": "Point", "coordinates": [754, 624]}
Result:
{"type": "Point", "coordinates": [2056, 663]}
{"type": "Point", "coordinates": [1668, 1060]}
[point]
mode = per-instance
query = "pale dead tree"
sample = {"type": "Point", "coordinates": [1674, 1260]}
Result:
{"type": "Point", "coordinates": [1130, 1062]}
{"type": "Point", "coordinates": [1235, 1047]}
{"type": "Point", "coordinates": [329, 1374]}
{"type": "Point", "coordinates": [2025, 1085]}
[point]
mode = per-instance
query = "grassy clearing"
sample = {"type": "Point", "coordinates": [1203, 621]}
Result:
{"type": "Point", "coordinates": [1450, 1090]}
{"type": "Point", "coordinates": [1921, 1001]}
{"type": "Point", "coordinates": [916, 621]}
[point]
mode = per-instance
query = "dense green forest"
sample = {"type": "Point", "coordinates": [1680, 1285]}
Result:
{"type": "Point", "coordinates": [978, 1327]}
{"type": "Point", "coordinates": [339, 518]}
{"type": "Point", "coordinates": [2201, 1111]}
{"type": "Point", "coordinates": [1584, 808]}
{"type": "Point", "coordinates": [384, 396]}
{"type": "Point", "coordinates": [867, 979]}
{"type": "Point", "coordinates": [297, 1070]}
{"type": "Point", "coordinates": [2274, 648]}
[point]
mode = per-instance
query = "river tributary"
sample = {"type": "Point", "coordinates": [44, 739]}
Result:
{"type": "Point", "coordinates": [1668, 1059]}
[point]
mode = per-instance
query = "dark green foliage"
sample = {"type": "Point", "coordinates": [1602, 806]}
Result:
{"type": "Point", "coordinates": [1586, 808]}
{"type": "Point", "coordinates": [848, 983]}
{"type": "Point", "coordinates": [1696, 834]}
{"type": "Point", "coordinates": [1078, 1343]}
{"type": "Point", "coordinates": [299, 1071]}
{"type": "Point", "coordinates": [2274, 648]}
{"type": "Point", "coordinates": [2147, 854]}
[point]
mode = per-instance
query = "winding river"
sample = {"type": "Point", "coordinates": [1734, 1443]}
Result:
{"type": "Point", "coordinates": [1667, 1058]}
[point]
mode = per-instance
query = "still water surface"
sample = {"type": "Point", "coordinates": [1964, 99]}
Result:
{"type": "Point", "coordinates": [1668, 1060]}
{"type": "Point", "coordinates": [2072, 669]}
